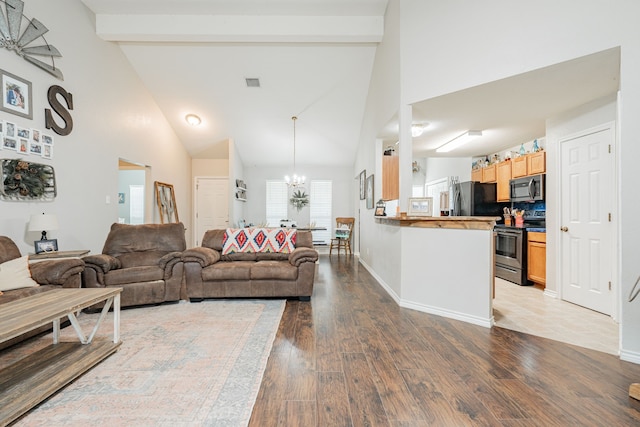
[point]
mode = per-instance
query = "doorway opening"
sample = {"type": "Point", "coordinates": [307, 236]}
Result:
{"type": "Point", "coordinates": [134, 196]}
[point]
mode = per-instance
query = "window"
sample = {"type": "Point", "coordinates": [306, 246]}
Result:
{"type": "Point", "coordinates": [276, 202]}
{"type": "Point", "coordinates": [136, 204]}
{"type": "Point", "coordinates": [320, 210]}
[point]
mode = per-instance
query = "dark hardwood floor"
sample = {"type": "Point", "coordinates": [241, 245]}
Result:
{"type": "Point", "coordinates": [353, 357]}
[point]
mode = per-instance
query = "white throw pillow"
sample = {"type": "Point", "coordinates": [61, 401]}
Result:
{"type": "Point", "coordinates": [15, 274]}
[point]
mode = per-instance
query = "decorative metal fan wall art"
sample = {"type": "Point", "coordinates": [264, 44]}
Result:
{"type": "Point", "coordinates": [12, 38]}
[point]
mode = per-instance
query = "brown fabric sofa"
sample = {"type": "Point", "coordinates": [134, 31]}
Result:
{"type": "Point", "coordinates": [51, 274]}
{"type": "Point", "coordinates": [209, 274]}
{"type": "Point", "coordinates": [144, 260]}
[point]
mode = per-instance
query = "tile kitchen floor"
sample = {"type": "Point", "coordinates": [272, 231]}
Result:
{"type": "Point", "coordinates": [527, 309]}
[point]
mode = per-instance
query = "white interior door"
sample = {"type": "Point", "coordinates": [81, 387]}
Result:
{"type": "Point", "coordinates": [587, 232]}
{"type": "Point", "coordinates": [212, 206]}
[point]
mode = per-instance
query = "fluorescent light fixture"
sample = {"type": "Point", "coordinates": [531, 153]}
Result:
{"type": "Point", "coordinates": [459, 141]}
{"type": "Point", "coordinates": [192, 119]}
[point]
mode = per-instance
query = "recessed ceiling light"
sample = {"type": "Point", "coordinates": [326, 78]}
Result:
{"type": "Point", "coordinates": [192, 119]}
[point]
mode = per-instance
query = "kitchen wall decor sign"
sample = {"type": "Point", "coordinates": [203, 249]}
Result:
{"type": "Point", "coordinates": [29, 44]}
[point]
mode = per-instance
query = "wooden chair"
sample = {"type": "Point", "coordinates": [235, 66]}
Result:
{"type": "Point", "coordinates": [343, 235]}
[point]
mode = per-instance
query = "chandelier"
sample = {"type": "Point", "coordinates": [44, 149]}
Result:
{"type": "Point", "coordinates": [295, 180]}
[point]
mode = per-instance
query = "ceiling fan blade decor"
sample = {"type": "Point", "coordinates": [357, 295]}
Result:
{"type": "Point", "coordinates": [13, 40]}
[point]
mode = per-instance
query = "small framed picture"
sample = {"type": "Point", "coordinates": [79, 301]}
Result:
{"type": "Point", "coordinates": [35, 135]}
{"type": "Point", "coordinates": [16, 95]}
{"type": "Point", "coordinates": [35, 148]}
{"type": "Point", "coordinates": [23, 146]}
{"type": "Point", "coordinates": [10, 129]}
{"type": "Point", "coordinates": [24, 133]}
{"type": "Point", "coordinates": [363, 184]}
{"type": "Point", "coordinates": [420, 206]}
{"type": "Point", "coordinates": [47, 139]}
{"type": "Point", "coordinates": [47, 151]}
{"type": "Point", "coordinates": [46, 246]}
{"type": "Point", "coordinates": [380, 211]}
{"type": "Point", "coordinates": [9, 144]}
{"type": "Point", "coordinates": [370, 192]}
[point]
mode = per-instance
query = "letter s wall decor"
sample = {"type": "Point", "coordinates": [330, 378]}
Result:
{"type": "Point", "coordinates": [50, 123]}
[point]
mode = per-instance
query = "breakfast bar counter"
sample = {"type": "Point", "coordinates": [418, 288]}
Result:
{"type": "Point", "coordinates": [446, 265]}
{"type": "Point", "coordinates": [458, 222]}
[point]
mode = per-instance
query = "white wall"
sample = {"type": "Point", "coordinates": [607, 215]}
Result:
{"type": "Point", "coordinates": [382, 103]}
{"type": "Point", "coordinates": [443, 167]}
{"type": "Point", "coordinates": [444, 50]}
{"type": "Point", "coordinates": [344, 187]}
{"type": "Point", "coordinates": [114, 117]}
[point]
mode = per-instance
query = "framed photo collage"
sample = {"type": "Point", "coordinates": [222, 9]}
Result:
{"type": "Point", "coordinates": [26, 141]}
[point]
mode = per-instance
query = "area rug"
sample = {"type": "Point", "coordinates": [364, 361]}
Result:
{"type": "Point", "coordinates": [186, 364]}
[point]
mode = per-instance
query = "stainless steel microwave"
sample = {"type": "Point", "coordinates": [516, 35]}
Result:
{"type": "Point", "coordinates": [527, 189]}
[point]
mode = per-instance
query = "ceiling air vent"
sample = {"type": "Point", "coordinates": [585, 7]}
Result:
{"type": "Point", "coordinates": [253, 82]}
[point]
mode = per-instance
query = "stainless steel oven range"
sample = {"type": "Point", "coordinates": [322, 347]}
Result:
{"type": "Point", "coordinates": [511, 254]}
{"type": "Point", "coordinates": [511, 247]}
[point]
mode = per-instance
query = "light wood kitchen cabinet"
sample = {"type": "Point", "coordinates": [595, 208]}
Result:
{"type": "Point", "coordinates": [503, 189]}
{"type": "Point", "coordinates": [537, 257]}
{"type": "Point", "coordinates": [489, 174]}
{"type": "Point", "coordinates": [536, 163]}
{"type": "Point", "coordinates": [476, 175]}
{"type": "Point", "coordinates": [390, 178]}
{"type": "Point", "coordinates": [519, 167]}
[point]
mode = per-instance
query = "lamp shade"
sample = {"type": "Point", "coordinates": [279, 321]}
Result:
{"type": "Point", "coordinates": [43, 222]}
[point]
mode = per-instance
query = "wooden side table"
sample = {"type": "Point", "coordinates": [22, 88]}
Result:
{"type": "Point", "coordinates": [58, 255]}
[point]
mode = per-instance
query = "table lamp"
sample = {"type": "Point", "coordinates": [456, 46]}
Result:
{"type": "Point", "coordinates": [43, 223]}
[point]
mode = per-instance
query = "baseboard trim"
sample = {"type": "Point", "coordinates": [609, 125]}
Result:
{"type": "Point", "coordinates": [630, 356]}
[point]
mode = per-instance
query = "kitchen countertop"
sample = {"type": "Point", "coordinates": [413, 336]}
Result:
{"type": "Point", "coordinates": [457, 222]}
{"type": "Point", "coordinates": [536, 229]}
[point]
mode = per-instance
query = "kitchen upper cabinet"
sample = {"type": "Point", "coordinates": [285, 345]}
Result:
{"type": "Point", "coordinates": [519, 167]}
{"type": "Point", "coordinates": [476, 175]}
{"type": "Point", "coordinates": [537, 257]}
{"type": "Point", "coordinates": [390, 177]}
{"type": "Point", "coordinates": [489, 174]}
{"type": "Point", "coordinates": [536, 163]}
{"type": "Point", "coordinates": [503, 189]}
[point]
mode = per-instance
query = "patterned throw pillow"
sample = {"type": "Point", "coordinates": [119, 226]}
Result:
{"type": "Point", "coordinates": [265, 240]}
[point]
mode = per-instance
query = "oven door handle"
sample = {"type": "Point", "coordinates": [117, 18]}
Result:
{"type": "Point", "coordinates": [509, 232]}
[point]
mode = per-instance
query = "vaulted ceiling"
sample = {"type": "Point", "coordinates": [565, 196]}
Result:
{"type": "Point", "coordinates": [314, 60]}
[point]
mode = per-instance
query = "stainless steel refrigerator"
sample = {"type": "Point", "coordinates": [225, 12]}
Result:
{"type": "Point", "coordinates": [476, 199]}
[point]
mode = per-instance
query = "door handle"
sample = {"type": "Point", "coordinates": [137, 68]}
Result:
{"type": "Point", "coordinates": [531, 189]}
{"type": "Point", "coordinates": [565, 229]}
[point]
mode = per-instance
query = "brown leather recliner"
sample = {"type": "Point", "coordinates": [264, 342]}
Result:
{"type": "Point", "coordinates": [144, 260]}
{"type": "Point", "coordinates": [49, 274]}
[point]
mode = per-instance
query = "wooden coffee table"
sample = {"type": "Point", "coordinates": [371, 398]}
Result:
{"type": "Point", "coordinates": [31, 380]}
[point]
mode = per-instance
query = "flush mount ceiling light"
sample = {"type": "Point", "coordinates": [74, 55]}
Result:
{"type": "Point", "coordinates": [295, 181]}
{"type": "Point", "coordinates": [459, 141]}
{"type": "Point", "coordinates": [417, 129]}
{"type": "Point", "coordinates": [192, 119]}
